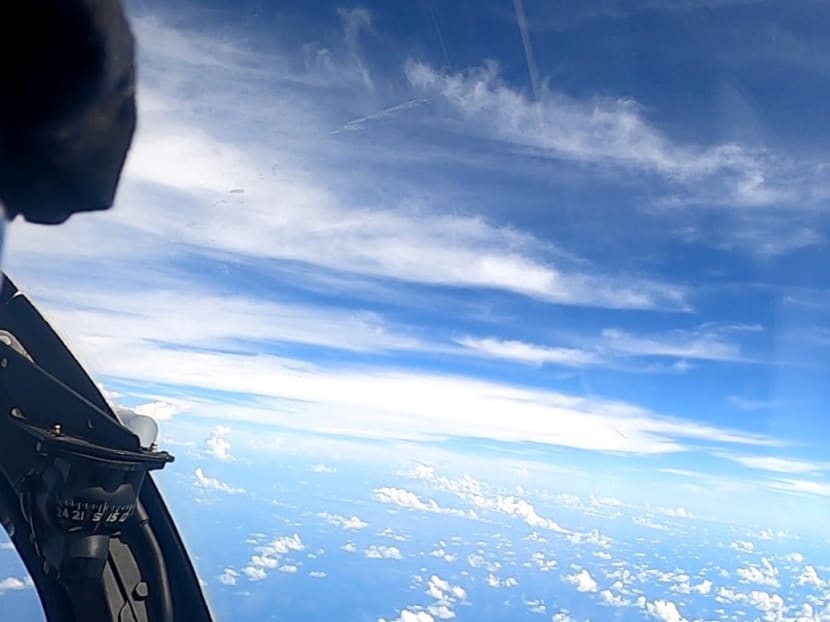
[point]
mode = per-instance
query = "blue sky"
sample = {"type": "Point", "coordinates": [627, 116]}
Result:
{"type": "Point", "coordinates": [520, 238]}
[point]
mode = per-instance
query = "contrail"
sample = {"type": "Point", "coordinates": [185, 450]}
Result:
{"type": "Point", "coordinates": [521, 18]}
{"type": "Point", "coordinates": [357, 124]}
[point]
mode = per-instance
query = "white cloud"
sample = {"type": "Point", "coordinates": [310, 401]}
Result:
{"type": "Point", "coordinates": [254, 573]}
{"type": "Point", "coordinates": [777, 464]}
{"type": "Point", "coordinates": [520, 508]}
{"type": "Point", "coordinates": [229, 577]}
{"type": "Point", "coordinates": [283, 544]}
{"type": "Point", "coordinates": [743, 545]}
{"type": "Point", "coordinates": [269, 557]}
{"type": "Point", "coordinates": [530, 353]}
{"type": "Point", "coordinates": [583, 581]}
{"type": "Point", "coordinates": [613, 600]}
{"type": "Point", "coordinates": [442, 553]}
{"type": "Point", "coordinates": [349, 547]}
{"type": "Point", "coordinates": [678, 512]}
{"type": "Point", "coordinates": [607, 131]}
{"type": "Point", "coordinates": [15, 583]}
{"type": "Point", "coordinates": [543, 564]}
{"type": "Point", "coordinates": [703, 588]}
{"type": "Point", "coordinates": [203, 481]}
{"type": "Point", "coordinates": [446, 594]}
{"type": "Point", "coordinates": [645, 521]}
{"type": "Point", "coordinates": [441, 612]}
{"type": "Point", "coordinates": [322, 468]}
{"type": "Point", "coordinates": [798, 558]}
{"type": "Point", "coordinates": [382, 552]}
{"type": "Point", "coordinates": [160, 411]}
{"type": "Point", "coordinates": [408, 615]}
{"type": "Point", "coordinates": [317, 574]}
{"type": "Point", "coordinates": [664, 610]}
{"type": "Point", "coordinates": [593, 537]}
{"type": "Point", "coordinates": [802, 486]}
{"type": "Point", "coordinates": [408, 499]}
{"type": "Point", "coordinates": [218, 445]}
{"type": "Point", "coordinates": [403, 404]}
{"type": "Point", "coordinates": [352, 524]}
{"type": "Point", "coordinates": [705, 342]}
{"type": "Point", "coordinates": [810, 577]}
{"type": "Point", "coordinates": [765, 574]}
{"type": "Point", "coordinates": [765, 601]}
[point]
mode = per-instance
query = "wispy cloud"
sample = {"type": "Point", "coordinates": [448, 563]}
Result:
{"type": "Point", "coordinates": [611, 131]}
{"type": "Point", "coordinates": [777, 464]}
{"type": "Point", "coordinates": [289, 211]}
{"type": "Point", "coordinates": [706, 342]}
{"type": "Point", "coordinates": [802, 486]}
{"type": "Point", "coordinates": [713, 342]}
{"type": "Point", "coordinates": [530, 353]}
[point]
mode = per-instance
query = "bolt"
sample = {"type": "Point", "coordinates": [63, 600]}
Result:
{"type": "Point", "coordinates": [154, 446]}
{"type": "Point", "coordinates": [17, 413]}
{"type": "Point", "coordinates": [57, 430]}
{"type": "Point", "coordinates": [4, 363]}
{"type": "Point", "coordinates": [140, 591]}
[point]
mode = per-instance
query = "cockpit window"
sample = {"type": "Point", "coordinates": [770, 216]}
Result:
{"type": "Point", "coordinates": [475, 310]}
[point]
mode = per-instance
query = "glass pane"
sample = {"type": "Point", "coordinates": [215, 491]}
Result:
{"type": "Point", "coordinates": [473, 309]}
{"type": "Point", "coordinates": [18, 597]}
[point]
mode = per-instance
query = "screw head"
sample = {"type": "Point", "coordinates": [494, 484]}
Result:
{"type": "Point", "coordinates": [57, 429]}
{"type": "Point", "coordinates": [17, 413]}
{"type": "Point", "coordinates": [140, 591]}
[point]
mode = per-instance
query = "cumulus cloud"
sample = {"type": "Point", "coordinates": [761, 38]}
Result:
{"type": "Point", "coordinates": [765, 601]}
{"type": "Point", "coordinates": [593, 537]}
{"type": "Point", "coordinates": [229, 577]}
{"type": "Point", "coordinates": [664, 610]}
{"type": "Point", "coordinates": [583, 581]}
{"type": "Point", "coordinates": [14, 583]}
{"type": "Point", "coordinates": [743, 545]}
{"type": "Point", "coordinates": [764, 574]}
{"type": "Point", "coordinates": [317, 574]}
{"type": "Point", "coordinates": [349, 547]}
{"type": "Point", "coordinates": [254, 573]}
{"type": "Point", "coordinates": [211, 483]}
{"type": "Point", "coordinates": [270, 557]}
{"type": "Point", "coordinates": [613, 600]}
{"type": "Point", "coordinates": [809, 576]}
{"type": "Point", "coordinates": [441, 553]}
{"type": "Point", "coordinates": [522, 509]}
{"type": "Point", "coordinates": [218, 445]}
{"type": "Point", "coordinates": [543, 564]}
{"type": "Point", "coordinates": [352, 524]}
{"type": "Point", "coordinates": [408, 615]}
{"type": "Point", "coordinates": [408, 499]}
{"type": "Point", "coordinates": [446, 596]}
{"type": "Point", "coordinates": [382, 552]}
